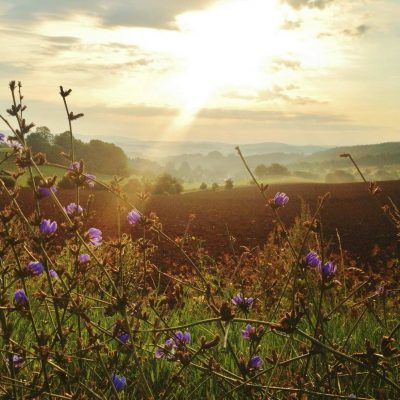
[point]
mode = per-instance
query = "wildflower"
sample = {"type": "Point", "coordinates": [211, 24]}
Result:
{"type": "Point", "coordinates": [328, 270]}
{"type": "Point", "coordinates": [242, 302]}
{"type": "Point", "coordinates": [252, 333]}
{"type": "Point", "coordinates": [17, 361]}
{"type": "Point", "coordinates": [119, 381]}
{"type": "Point", "coordinates": [53, 273]}
{"type": "Point", "coordinates": [89, 181]}
{"type": "Point", "coordinates": [73, 208]}
{"type": "Point", "coordinates": [280, 199]}
{"type": "Point", "coordinates": [74, 166]}
{"type": "Point", "coordinates": [381, 291]}
{"type": "Point", "coordinates": [44, 191]}
{"type": "Point", "coordinates": [36, 267]}
{"type": "Point", "coordinates": [181, 338]}
{"type": "Point", "coordinates": [83, 258]}
{"type": "Point", "coordinates": [133, 217]}
{"type": "Point", "coordinates": [312, 259]}
{"type": "Point", "coordinates": [20, 298]}
{"type": "Point", "coordinates": [15, 144]}
{"type": "Point", "coordinates": [95, 236]}
{"type": "Point", "coordinates": [120, 334]}
{"type": "Point", "coordinates": [167, 351]}
{"type": "Point", "coordinates": [2, 137]}
{"type": "Point", "coordinates": [48, 227]}
{"type": "Point", "coordinates": [255, 362]}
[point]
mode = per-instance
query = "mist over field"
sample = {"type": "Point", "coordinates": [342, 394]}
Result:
{"type": "Point", "coordinates": [199, 200]}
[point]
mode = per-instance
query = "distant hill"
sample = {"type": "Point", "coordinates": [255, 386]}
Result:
{"type": "Point", "coordinates": [156, 150]}
{"type": "Point", "coordinates": [361, 151]}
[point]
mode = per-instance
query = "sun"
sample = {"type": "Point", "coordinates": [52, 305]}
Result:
{"type": "Point", "coordinates": [228, 45]}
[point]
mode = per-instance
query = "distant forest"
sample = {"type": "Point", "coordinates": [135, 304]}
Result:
{"type": "Point", "coordinates": [99, 156]}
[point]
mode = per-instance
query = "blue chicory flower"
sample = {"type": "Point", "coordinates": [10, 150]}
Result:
{"type": "Point", "coordinates": [242, 302]}
{"type": "Point", "coordinates": [48, 227]}
{"type": "Point", "coordinates": [73, 208]}
{"type": "Point", "coordinates": [133, 217]}
{"type": "Point", "coordinates": [44, 191]}
{"type": "Point", "coordinates": [95, 236]}
{"type": "Point", "coordinates": [248, 332]}
{"type": "Point", "coordinates": [167, 351]}
{"type": "Point", "coordinates": [280, 199]}
{"type": "Point", "coordinates": [328, 270]}
{"type": "Point", "coordinates": [53, 273]}
{"type": "Point", "coordinates": [119, 381]}
{"type": "Point", "coordinates": [83, 258]}
{"type": "Point", "coordinates": [20, 298]}
{"type": "Point", "coordinates": [255, 362]}
{"type": "Point", "coordinates": [89, 181]}
{"type": "Point", "coordinates": [36, 267]}
{"type": "Point", "coordinates": [18, 361]}
{"type": "Point", "coordinates": [181, 338]}
{"type": "Point", "coordinates": [312, 259]}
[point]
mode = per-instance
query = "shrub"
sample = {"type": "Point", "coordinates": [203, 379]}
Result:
{"type": "Point", "coordinates": [214, 186]}
{"type": "Point", "coordinates": [167, 184]}
{"type": "Point", "coordinates": [203, 186]}
{"type": "Point", "coordinates": [228, 183]}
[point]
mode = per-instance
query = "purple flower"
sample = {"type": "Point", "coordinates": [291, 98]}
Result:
{"type": "Point", "coordinates": [89, 181]}
{"type": "Point", "coordinates": [72, 208]}
{"type": "Point", "coordinates": [312, 259]}
{"type": "Point", "coordinates": [74, 166]}
{"type": "Point", "coordinates": [2, 137]}
{"type": "Point", "coordinates": [17, 361]}
{"type": "Point", "coordinates": [48, 227]}
{"type": "Point", "coordinates": [167, 351]}
{"type": "Point", "coordinates": [83, 258]}
{"type": "Point", "coordinates": [20, 298]}
{"type": "Point", "coordinates": [120, 334]}
{"type": "Point", "coordinates": [280, 199]}
{"type": "Point", "coordinates": [328, 270]}
{"type": "Point", "coordinates": [381, 291]}
{"type": "Point", "coordinates": [53, 273]}
{"type": "Point", "coordinates": [119, 381]}
{"type": "Point", "coordinates": [36, 267]}
{"type": "Point", "coordinates": [133, 217]}
{"type": "Point", "coordinates": [95, 236]}
{"type": "Point", "coordinates": [15, 144]}
{"type": "Point", "coordinates": [44, 191]}
{"type": "Point", "coordinates": [255, 362]}
{"type": "Point", "coordinates": [181, 339]}
{"type": "Point", "coordinates": [242, 302]}
{"type": "Point", "coordinates": [248, 333]}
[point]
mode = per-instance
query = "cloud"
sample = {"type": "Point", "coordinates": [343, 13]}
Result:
{"type": "Point", "coordinates": [287, 63]}
{"type": "Point", "coordinates": [291, 24]}
{"type": "Point", "coordinates": [298, 4]}
{"type": "Point", "coordinates": [276, 92]}
{"type": "Point", "coordinates": [270, 116]}
{"type": "Point", "coordinates": [358, 31]}
{"type": "Point", "coordinates": [148, 13]}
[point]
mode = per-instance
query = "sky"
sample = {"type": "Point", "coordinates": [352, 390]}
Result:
{"type": "Point", "coordinates": [320, 72]}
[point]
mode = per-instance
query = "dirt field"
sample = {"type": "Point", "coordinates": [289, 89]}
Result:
{"type": "Point", "coordinates": [351, 210]}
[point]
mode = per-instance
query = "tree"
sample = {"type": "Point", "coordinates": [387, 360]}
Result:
{"type": "Point", "coordinates": [203, 186]}
{"type": "Point", "coordinates": [261, 171]}
{"type": "Point", "coordinates": [228, 183]}
{"type": "Point", "coordinates": [274, 169]}
{"type": "Point", "coordinates": [42, 140]}
{"type": "Point", "coordinates": [166, 183]}
{"type": "Point", "coordinates": [214, 186]}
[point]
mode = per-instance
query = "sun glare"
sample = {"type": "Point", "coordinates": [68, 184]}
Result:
{"type": "Point", "coordinates": [226, 46]}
